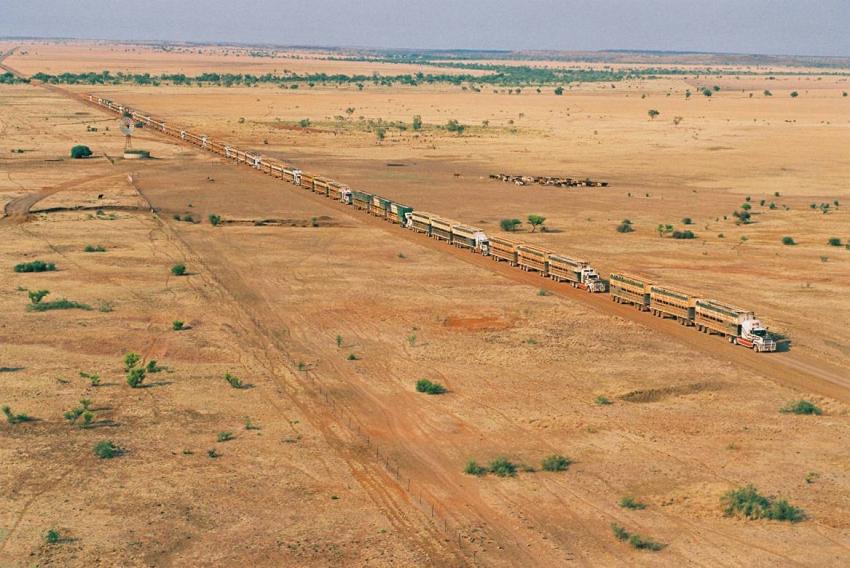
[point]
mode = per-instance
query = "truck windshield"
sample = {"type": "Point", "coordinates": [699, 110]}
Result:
{"type": "Point", "coordinates": [760, 332]}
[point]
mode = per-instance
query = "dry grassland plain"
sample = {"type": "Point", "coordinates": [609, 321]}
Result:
{"type": "Point", "coordinates": [332, 316]}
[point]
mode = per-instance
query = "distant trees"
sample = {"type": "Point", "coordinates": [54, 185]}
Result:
{"type": "Point", "coordinates": [454, 126]}
{"type": "Point", "coordinates": [559, 91]}
{"type": "Point", "coordinates": [625, 227]}
{"type": "Point", "coordinates": [417, 122]}
{"type": "Point", "coordinates": [794, 94]}
{"type": "Point", "coordinates": [80, 151]}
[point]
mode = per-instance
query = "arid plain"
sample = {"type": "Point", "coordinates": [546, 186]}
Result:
{"type": "Point", "coordinates": [331, 316]}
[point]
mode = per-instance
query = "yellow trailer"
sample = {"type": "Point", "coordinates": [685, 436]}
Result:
{"type": "Point", "coordinates": [630, 289]}
{"type": "Point", "coordinates": [420, 221]}
{"type": "Point", "coordinates": [442, 228]}
{"type": "Point", "coordinates": [502, 248]}
{"type": "Point", "coordinates": [531, 258]}
{"type": "Point", "coordinates": [668, 302]}
{"type": "Point", "coordinates": [320, 185]}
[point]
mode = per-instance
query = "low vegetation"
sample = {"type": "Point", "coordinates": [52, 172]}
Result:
{"type": "Point", "coordinates": [13, 418]}
{"type": "Point", "coordinates": [135, 377]}
{"type": "Point", "coordinates": [602, 400]}
{"type": "Point", "coordinates": [234, 381]}
{"type": "Point", "coordinates": [502, 467]}
{"type": "Point", "coordinates": [94, 248]}
{"type": "Point", "coordinates": [509, 225]}
{"type": "Point", "coordinates": [788, 241]}
{"type": "Point", "coordinates": [35, 266]}
{"type": "Point", "coordinates": [224, 436]}
{"type": "Point", "coordinates": [625, 227]}
{"type": "Point", "coordinates": [61, 304]}
{"type": "Point", "coordinates": [631, 503]}
{"type": "Point", "coordinates": [536, 221]}
{"type": "Point", "coordinates": [178, 325]}
{"type": "Point", "coordinates": [472, 468]}
{"type": "Point", "coordinates": [429, 387]}
{"type": "Point", "coordinates": [801, 407]}
{"type": "Point", "coordinates": [635, 541]}
{"type": "Point", "coordinates": [106, 450]}
{"type": "Point", "coordinates": [748, 503]}
{"type": "Point", "coordinates": [52, 537]}
{"type": "Point", "coordinates": [556, 462]}
{"type": "Point", "coordinates": [215, 220]}
{"type": "Point", "coordinates": [80, 151]}
{"type": "Point", "coordinates": [683, 235]}
{"type": "Point", "coordinates": [178, 269]}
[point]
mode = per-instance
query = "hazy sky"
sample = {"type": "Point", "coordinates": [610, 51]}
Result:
{"type": "Point", "coordinates": [801, 27]}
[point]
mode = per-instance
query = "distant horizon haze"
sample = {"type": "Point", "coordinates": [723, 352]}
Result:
{"type": "Point", "coordinates": [752, 27]}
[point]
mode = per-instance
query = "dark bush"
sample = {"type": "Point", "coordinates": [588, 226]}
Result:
{"type": "Point", "coordinates": [556, 463]}
{"type": "Point", "coordinates": [502, 467]}
{"type": "Point", "coordinates": [472, 468]}
{"type": "Point", "coordinates": [747, 502]}
{"type": "Point", "coordinates": [631, 503]}
{"type": "Point", "coordinates": [801, 407]}
{"type": "Point", "coordinates": [35, 266]}
{"type": "Point", "coordinates": [178, 269]}
{"type": "Point", "coordinates": [80, 151]}
{"type": "Point", "coordinates": [683, 235]}
{"type": "Point", "coordinates": [428, 387]}
{"type": "Point", "coordinates": [106, 450]}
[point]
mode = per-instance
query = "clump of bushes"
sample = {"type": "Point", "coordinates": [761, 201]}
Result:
{"type": "Point", "coordinates": [602, 400]}
{"type": "Point", "coordinates": [429, 387]}
{"type": "Point", "coordinates": [106, 450]}
{"type": "Point", "coordinates": [62, 304]}
{"type": "Point", "coordinates": [502, 467]}
{"type": "Point", "coordinates": [556, 463]}
{"type": "Point", "coordinates": [472, 468]}
{"type": "Point", "coordinates": [801, 407]}
{"type": "Point", "coordinates": [215, 220]}
{"type": "Point", "coordinates": [788, 241]}
{"type": "Point", "coordinates": [80, 151]}
{"type": "Point", "coordinates": [178, 269]}
{"type": "Point", "coordinates": [747, 502]}
{"type": "Point", "coordinates": [509, 225]}
{"type": "Point", "coordinates": [625, 227]}
{"type": "Point", "coordinates": [94, 248]}
{"type": "Point", "coordinates": [834, 242]}
{"type": "Point", "coordinates": [635, 541]}
{"type": "Point", "coordinates": [135, 377]}
{"type": "Point", "coordinates": [35, 266]}
{"type": "Point", "coordinates": [683, 235]}
{"type": "Point", "coordinates": [631, 503]}
{"type": "Point", "coordinates": [224, 436]}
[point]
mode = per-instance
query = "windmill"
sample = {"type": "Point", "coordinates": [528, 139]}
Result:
{"type": "Point", "coordinates": [127, 129]}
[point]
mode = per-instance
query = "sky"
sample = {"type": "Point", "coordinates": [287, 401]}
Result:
{"type": "Point", "coordinates": [781, 27]}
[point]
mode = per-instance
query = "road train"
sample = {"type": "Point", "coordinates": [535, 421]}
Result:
{"type": "Point", "coordinates": [737, 325]}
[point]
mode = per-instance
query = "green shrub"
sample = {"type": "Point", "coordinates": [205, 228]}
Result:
{"type": "Point", "coordinates": [631, 503]}
{"type": "Point", "coordinates": [687, 221]}
{"type": "Point", "coordinates": [454, 126]}
{"type": "Point", "coordinates": [224, 436]}
{"type": "Point", "coordinates": [472, 468]}
{"type": "Point", "coordinates": [212, 453]}
{"type": "Point", "coordinates": [152, 367]}
{"type": "Point", "coordinates": [52, 536]}
{"type": "Point", "coordinates": [602, 400]}
{"type": "Point", "coordinates": [106, 450]}
{"type": "Point", "coordinates": [502, 467]}
{"type": "Point", "coordinates": [35, 266]}
{"type": "Point", "coordinates": [640, 543]}
{"type": "Point", "coordinates": [13, 418]}
{"type": "Point", "coordinates": [788, 241]}
{"type": "Point", "coordinates": [178, 269]}
{"type": "Point", "coordinates": [619, 532]}
{"type": "Point", "coordinates": [131, 360]}
{"type": "Point", "coordinates": [794, 94]}
{"type": "Point", "coordinates": [747, 502]}
{"type": "Point", "coordinates": [559, 91]}
{"type": "Point", "coordinates": [339, 341]}
{"type": "Point", "coordinates": [188, 218]}
{"type": "Point", "coordinates": [215, 220]}
{"type": "Point", "coordinates": [834, 242]}
{"type": "Point", "coordinates": [428, 387]}
{"type": "Point", "coordinates": [94, 248]}
{"type": "Point", "coordinates": [88, 419]}
{"type": "Point", "coordinates": [250, 425]}
{"type": "Point", "coordinates": [135, 377]}
{"type": "Point", "coordinates": [353, 357]}
{"type": "Point", "coordinates": [683, 235]}
{"type": "Point", "coordinates": [36, 296]}
{"type": "Point", "coordinates": [80, 151]}
{"type": "Point", "coordinates": [233, 381]}
{"type": "Point", "coordinates": [62, 304]}
{"type": "Point", "coordinates": [801, 407]}
{"type": "Point", "coordinates": [625, 227]}
{"type": "Point", "coordinates": [417, 122]}
{"type": "Point", "coordinates": [556, 463]}
{"type": "Point", "coordinates": [177, 325]}
{"type": "Point", "coordinates": [509, 225]}
{"type": "Point", "coordinates": [72, 415]}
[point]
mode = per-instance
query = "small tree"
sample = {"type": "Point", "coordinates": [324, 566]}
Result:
{"type": "Point", "coordinates": [794, 94]}
{"type": "Point", "coordinates": [233, 381]}
{"type": "Point", "coordinates": [304, 122]}
{"type": "Point", "coordinates": [559, 91]}
{"type": "Point", "coordinates": [625, 227]}
{"type": "Point", "coordinates": [664, 229]}
{"type": "Point", "coordinates": [652, 113]}
{"type": "Point", "coordinates": [509, 225]}
{"type": "Point", "coordinates": [178, 269]}
{"type": "Point", "coordinates": [834, 242]}
{"type": "Point", "coordinates": [215, 220]}
{"type": "Point", "coordinates": [106, 450]}
{"type": "Point", "coordinates": [428, 387]}
{"type": "Point", "coordinates": [79, 151]}
{"type": "Point", "coordinates": [687, 221]}
{"type": "Point", "coordinates": [788, 241]}
{"type": "Point", "coordinates": [177, 325]}
{"type": "Point", "coordinates": [535, 221]}
{"type": "Point", "coordinates": [135, 377]}
{"type": "Point", "coordinates": [131, 360]}
{"type": "Point", "coordinates": [417, 122]}
{"type": "Point", "coordinates": [380, 134]}
{"type": "Point", "coordinates": [556, 463]}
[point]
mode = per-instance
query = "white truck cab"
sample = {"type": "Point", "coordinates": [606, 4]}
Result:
{"type": "Point", "coordinates": [754, 335]}
{"type": "Point", "coordinates": [296, 177]}
{"type": "Point", "coordinates": [591, 281]}
{"type": "Point", "coordinates": [345, 196]}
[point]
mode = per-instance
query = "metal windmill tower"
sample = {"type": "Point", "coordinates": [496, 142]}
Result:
{"type": "Point", "coordinates": [127, 129]}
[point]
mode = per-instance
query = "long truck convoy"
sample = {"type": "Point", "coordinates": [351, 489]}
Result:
{"type": "Point", "coordinates": [739, 326]}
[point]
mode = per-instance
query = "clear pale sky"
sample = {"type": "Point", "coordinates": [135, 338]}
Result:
{"type": "Point", "coordinates": [795, 27]}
